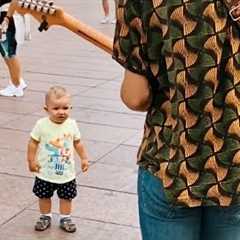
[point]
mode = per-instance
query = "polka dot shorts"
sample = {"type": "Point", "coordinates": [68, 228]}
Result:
{"type": "Point", "coordinates": [44, 189]}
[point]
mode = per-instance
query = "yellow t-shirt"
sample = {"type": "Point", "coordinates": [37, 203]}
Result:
{"type": "Point", "coordinates": [55, 152]}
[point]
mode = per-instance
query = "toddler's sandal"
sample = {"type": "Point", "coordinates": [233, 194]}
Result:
{"type": "Point", "coordinates": [43, 223]}
{"type": "Point", "coordinates": [67, 225]}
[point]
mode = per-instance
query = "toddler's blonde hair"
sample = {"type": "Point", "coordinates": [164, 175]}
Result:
{"type": "Point", "coordinates": [57, 92]}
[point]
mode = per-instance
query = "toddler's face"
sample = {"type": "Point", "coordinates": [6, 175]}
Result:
{"type": "Point", "coordinates": [58, 108]}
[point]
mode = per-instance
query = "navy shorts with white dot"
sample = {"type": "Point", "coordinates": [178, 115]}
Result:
{"type": "Point", "coordinates": [45, 189]}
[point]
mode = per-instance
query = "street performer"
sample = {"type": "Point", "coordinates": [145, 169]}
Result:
{"type": "Point", "coordinates": [182, 66]}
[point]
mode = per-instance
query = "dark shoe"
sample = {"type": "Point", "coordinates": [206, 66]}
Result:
{"type": "Point", "coordinates": [43, 223]}
{"type": "Point", "coordinates": [67, 225]}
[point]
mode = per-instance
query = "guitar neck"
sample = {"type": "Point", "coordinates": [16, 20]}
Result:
{"type": "Point", "coordinates": [90, 34]}
{"type": "Point", "coordinates": [46, 13]}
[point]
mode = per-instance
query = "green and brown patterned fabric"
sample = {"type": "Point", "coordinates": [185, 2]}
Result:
{"type": "Point", "coordinates": [190, 53]}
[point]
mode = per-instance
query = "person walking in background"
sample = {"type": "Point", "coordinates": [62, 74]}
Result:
{"type": "Point", "coordinates": [8, 47]}
{"type": "Point", "coordinates": [182, 66]}
{"type": "Point", "coordinates": [106, 9]}
{"type": "Point", "coordinates": [50, 158]}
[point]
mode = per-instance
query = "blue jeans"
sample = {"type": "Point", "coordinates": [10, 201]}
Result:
{"type": "Point", "coordinates": [161, 221]}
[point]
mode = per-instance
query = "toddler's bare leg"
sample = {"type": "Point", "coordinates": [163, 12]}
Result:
{"type": "Point", "coordinates": [65, 206]}
{"type": "Point", "coordinates": [45, 205]}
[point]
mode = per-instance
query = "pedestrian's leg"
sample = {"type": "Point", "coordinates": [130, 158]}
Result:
{"type": "Point", "coordinates": [17, 84]}
{"type": "Point", "coordinates": [220, 223]}
{"type": "Point", "coordinates": [105, 5]}
{"type": "Point", "coordinates": [14, 68]}
{"type": "Point", "coordinates": [159, 220]}
{"type": "Point", "coordinates": [115, 15]}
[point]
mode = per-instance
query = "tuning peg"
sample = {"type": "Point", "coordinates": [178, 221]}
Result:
{"type": "Point", "coordinates": [45, 8]}
{"type": "Point", "coordinates": [52, 10]}
{"type": "Point", "coordinates": [26, 4]}
{"type": "Point", "coordinates": [39, 7]}
{"type": "Point", "coordinates": [33, 5]}
{"type": "Point", "coordinates": [20, 3]}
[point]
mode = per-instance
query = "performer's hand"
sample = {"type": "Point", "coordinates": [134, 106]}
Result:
{"type": "Point", "coordinates": [84, 165]}
{"type": "Point", "coordinates": [33, 166]}
{"type": "Point", "coordinates": [5, 24]}
{"type": "Point", "coordinates": [3, 29]}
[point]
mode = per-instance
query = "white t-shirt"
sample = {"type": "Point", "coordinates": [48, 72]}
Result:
{"type": "Point", "coordinates": [56, 149]}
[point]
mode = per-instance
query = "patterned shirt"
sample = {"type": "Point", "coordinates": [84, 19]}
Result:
{"type": "Point", "coordinates": [190, 53]}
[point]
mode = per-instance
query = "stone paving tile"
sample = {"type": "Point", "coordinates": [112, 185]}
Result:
{"type": "Point", "coordinates": [135, 140]}
{"type": "Point", "coordinates": [110, 177]}
{"type": "Point", "coordinates": [13, 200]}
{"type": "Point", "coordinates": [87, 230]}
{"type": "Point", "coordinates": [95, 103]}
{"type": "Point", "coordinates": [43, 87]}
{"type": "Point", "coordinates": [108, 118]}
{"type": "Point", "coordinates": [102, 93]}
{"type": "Point", "coordinates": [122, 156]}
{"type": "Point", "coordinates": [13, 140]}
{"type": "Point", "coordinates": [6, 117]}
{"type": "Point", "coordinates": [11, 106]}
{"type": "Point", "coordinates": [13, 162]}
{"type": "Point", "coordinates": [71, 80]}
{"type": "Point", "coordinates": [106, 133]}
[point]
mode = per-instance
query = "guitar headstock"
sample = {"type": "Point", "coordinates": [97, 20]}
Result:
{"type": "Point", "coordinates": [46, 7]}
{"type": "Point", "coordinates": [42, 10]}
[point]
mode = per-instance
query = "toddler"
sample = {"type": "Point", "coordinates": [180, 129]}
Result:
{"type": "Point", "coordinates": [50, 156]}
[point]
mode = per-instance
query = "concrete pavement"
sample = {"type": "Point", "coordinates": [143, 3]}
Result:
{"type": "Point", "coordinates": [106, 206]}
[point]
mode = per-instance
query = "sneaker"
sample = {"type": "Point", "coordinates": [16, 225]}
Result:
{"type": "Point", "coordinates": [23, 84]}
{"type": "Point", "coordinates": [12, 91]}
{"type": "Point", "coordinates": [67, 225]}
{"type": "Point", "coordinates": [105, 20]}
{"type": "Point", "coordinates": [113, 21]}
{"type": "Point", "coordinates": [43, 223]}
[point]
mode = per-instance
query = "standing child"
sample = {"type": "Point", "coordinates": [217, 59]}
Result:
{"type": "Point", "coordinates": [50, 157]}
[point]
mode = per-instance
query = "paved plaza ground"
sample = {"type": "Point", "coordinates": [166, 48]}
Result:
{"type": "Point", "coordinates": [106, 206]}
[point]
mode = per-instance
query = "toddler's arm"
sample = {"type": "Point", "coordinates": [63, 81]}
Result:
{"type": "Point", "coordinates": [31, 155]}
{"type": "Point", "coordinates": [82, 152]}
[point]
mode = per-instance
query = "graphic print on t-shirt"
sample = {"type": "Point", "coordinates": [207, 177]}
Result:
{"type": "Point", "coordinates": [59, 152]}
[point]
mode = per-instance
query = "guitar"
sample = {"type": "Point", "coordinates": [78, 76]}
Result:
{"type": "Point", "coordinates": [47, 14]}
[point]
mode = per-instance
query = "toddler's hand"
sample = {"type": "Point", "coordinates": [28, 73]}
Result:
{"type": "Point", "coordinates": [34, 166]}
{"type": "Point", "coordinates": [84, 165]}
